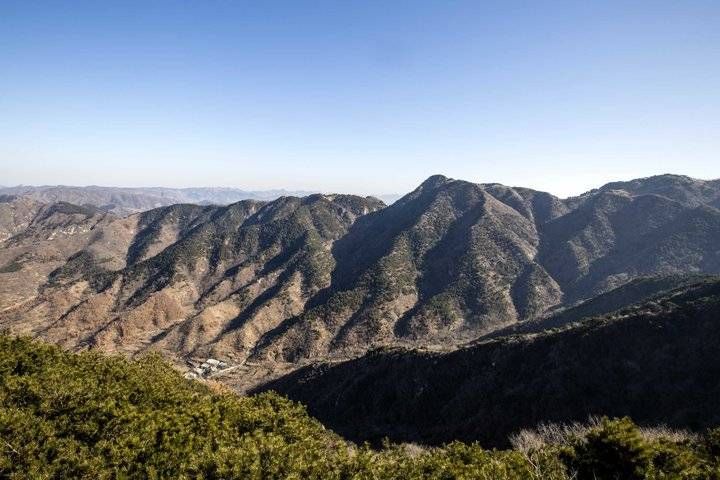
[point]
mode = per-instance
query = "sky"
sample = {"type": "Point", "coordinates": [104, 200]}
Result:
{"type": "Point", "coordinates": [358, 96]}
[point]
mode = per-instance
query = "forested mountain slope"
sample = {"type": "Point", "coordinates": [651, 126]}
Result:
{"type": "Point", "coordinates": [656, 362]}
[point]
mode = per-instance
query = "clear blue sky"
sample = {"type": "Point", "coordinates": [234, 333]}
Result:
{"type": "Point", "coordinates": [358, 96]}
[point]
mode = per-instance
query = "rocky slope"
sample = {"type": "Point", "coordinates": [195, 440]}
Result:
{"type": "Point", "coordinates": [16, 214]}
{"type": "Point", "coordinates": [184, 277]}
{"type": "Point", "coordinates": [41, 238]}
{"type": "Point", "coordinates": [323, 276]}
{"type": "Point", "coordinates": [656, 362]}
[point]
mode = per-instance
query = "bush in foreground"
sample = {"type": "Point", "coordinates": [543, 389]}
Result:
{"type": "Point", "coordinates": [84, 415]}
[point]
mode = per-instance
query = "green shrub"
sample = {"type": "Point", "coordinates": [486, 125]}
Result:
{"type": "Point", "coordinates": [617, 449]}
{"type": "Point", "coordinates": [712, 442]}
{"type": "Point", "coordinates": [614, 450]}
{"type": "Point", "coordinates": [11, 267]}
{"type": "Point", "coordinates": [678, 460]}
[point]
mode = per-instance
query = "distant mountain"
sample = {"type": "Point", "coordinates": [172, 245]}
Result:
{"type": "Point", "coordinates": [686, 190]}
{"type": "Point", "coordinates": [332, 276]}
{"type": "Point", "coordinates": [124, 201]}
{"type": "Point", "coordinates": [656, 362]}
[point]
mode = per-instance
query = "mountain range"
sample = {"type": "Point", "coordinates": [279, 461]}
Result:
{"type": "Point", "coordinates": [124, 200]}
{"type": "Point", "coordinates": [326, 277]}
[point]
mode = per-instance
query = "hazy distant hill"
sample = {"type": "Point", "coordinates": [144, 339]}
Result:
{"type": "Point", "coordinates": [334, 275]}
{"type": "Point", "coordinates": [123, 201]}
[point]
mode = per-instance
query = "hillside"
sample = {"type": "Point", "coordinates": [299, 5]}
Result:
{"type": "Point", "coordinates": [187, 272]}
{"type": "Point", "coordinates": [15, 215]}
{"type": "Point", "coordinates": [656, 362]}
{"type": "Point", "coordinates": [639, 290]}
{"type": "Point", "coordinates": [331, 276]}
{"type": "Point", "coordinates": [41, 238]}
{"type": "Point", "coordinates": [86, 416]}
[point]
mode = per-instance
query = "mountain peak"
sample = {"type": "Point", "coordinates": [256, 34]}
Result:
{"type": "Point", "coordinates": [434, 181]}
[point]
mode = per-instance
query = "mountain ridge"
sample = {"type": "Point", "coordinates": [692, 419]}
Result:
{"type": "Point", "coordinates": [127, 200]}
{"type": "Point", "coordinates": [323, 276]}
{"type": "Point", "coordinates": [124, 201]}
